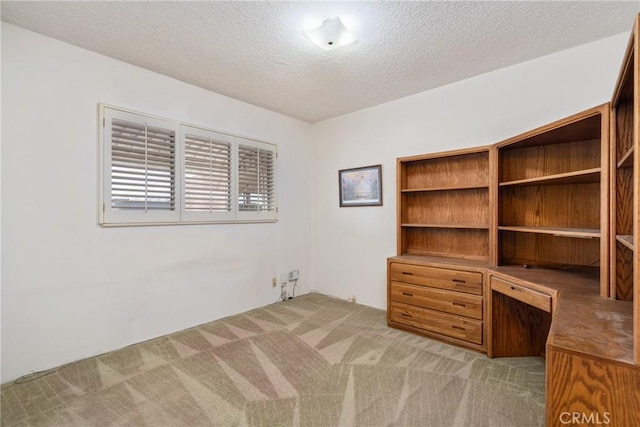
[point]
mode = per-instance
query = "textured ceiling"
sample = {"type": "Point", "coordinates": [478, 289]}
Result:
{"type": "Point", "coordinates": [256, 51]}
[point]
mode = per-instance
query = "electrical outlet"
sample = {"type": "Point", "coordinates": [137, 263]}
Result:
{"type": "Point", "coordinates": [274, 282]}
{"type": "Point", "coordinates": [284, 278]}
{"type": "Point", "coordinates": [294, 275]}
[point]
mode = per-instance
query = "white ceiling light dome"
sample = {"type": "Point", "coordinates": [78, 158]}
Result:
{"type": "Point", "coordinates": [331, 34]}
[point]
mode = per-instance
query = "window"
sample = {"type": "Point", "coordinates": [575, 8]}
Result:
{"type": "Point", "coordinates": [208, 183]}
{"type": "Point", "coordinates": [256, 179]}
{"type": "Point", "coordinates": [158, 171]}
{"type": "Point", "coordinates": [140, 169]}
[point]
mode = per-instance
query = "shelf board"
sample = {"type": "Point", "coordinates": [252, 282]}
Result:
{"type": "Point", "coordinates": [626, 239]}
{"type": "Point", "coordinates": [451, 188]}
{"type": "Point", "coordinates": [460, 226]}
{"type": "Point", "coordinates": [576, 177]}
{"type": "Point", "coordinates": [585, 233]}
{"type": "Point", "coordinates": [627, 159]}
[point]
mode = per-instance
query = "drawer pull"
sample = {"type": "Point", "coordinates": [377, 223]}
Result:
{"type": "Point", "coordinates": [458, 281]}
{"type": "Point", "coordinates": [513, 288]}
{"type": "Point", "coordinates": [406, 315]}
{"type": "Point", "coordinates": [458, 327]}
{"type": "Point", "coordinates": [407, 294]}
{"type": "Point", "coordinates": [459, 304]}
{"type": "Point", "coordinates": [407, 273]}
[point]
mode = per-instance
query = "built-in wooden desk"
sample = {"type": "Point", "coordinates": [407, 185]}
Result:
{"type": "Point", "coordinates": [587, 341]}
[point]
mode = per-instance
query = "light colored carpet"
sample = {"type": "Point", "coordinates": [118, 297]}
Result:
{"type": "Point", "coordinates": [310, 361]}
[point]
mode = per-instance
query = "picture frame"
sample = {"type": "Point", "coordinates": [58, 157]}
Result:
{"type": "Point", "coordinates": [360, 186]}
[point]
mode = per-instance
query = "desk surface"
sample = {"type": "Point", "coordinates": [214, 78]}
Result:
{"type": "Point", "coordinates": [583, 321]}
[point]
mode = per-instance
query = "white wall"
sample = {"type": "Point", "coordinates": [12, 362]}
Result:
{"type": "Point", "coordinates": [350, 245]}
{"type": "Point", "coordinates": [71, 289]}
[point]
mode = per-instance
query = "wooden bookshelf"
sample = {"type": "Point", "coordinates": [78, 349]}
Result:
{"type": "Point", "coordinates": [443, 204]}
{"type": "Point", "coordinates": [436, 283]}
{"type": "Point", "coordinates": [529, 247]}
{"type": "Point", "coordinates": [624, 201]}
{"type": "Point", "coordinates": [553, 196]}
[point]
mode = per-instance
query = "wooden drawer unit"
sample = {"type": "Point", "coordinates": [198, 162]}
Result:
{"type": "Point", "coordinates": [437, 322]}
{"type": "Point", "coordinates": [436, 299]}
{"type": "Point", "coordinates": [443, 300]}
{"type": "Point", "coordinates": [526, 295]}
{"type": "Point", "coordinates": [454, 280]}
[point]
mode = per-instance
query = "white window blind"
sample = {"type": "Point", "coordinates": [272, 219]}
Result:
{"type": "Point", "coordinates": [156, 170]}
{"type": "Point", "coordinates": [208, 180]}
{"type": "Point", "coordinates": [256, 180]}
{"type": "Point", "coordinates": [141, 167]}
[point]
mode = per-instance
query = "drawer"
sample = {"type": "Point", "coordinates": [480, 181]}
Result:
{"type": "Point", "coordinates": [437, 299]}
{"type": "Point", "coordinates": [434, 321]}
{"type": "Point", "coordinates": [454, 280]}
{"type": "Point", "coordinates": [526, 295]}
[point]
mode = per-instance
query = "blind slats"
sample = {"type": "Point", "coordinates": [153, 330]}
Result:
{"type": "Point", "coordinates": [138, 180]}
{"type": "Point", "coordinates": [142, 166]}
{"type": "Point", "coordinates": [256, 170]}
{"type": "Point", "coordinates": [199, 146]}
{"type": "Point", "coordinates": [201, 164]}
{"type": "Point", "coordinates": [207, 179]}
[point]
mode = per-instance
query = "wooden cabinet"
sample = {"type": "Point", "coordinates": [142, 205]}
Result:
{"type": "Point", "coordinates": [605, 392]}
{"type": "Point", "coordinates": [586, 340]}
{"type": "Point", "coordinates": [520, 318]}
{"type": "Point", "coordinates": [444, 204]}
{"type": "Point", "coordinates": [437, 298]}
{"type": "Point", "coordinates": [530, 247]}
{"type": "Point", "coordinates": [553, 196]}
{"type": "Point", "coordinates": [436, 283]}
{"type": "Point", "coordinates": [625, 184]}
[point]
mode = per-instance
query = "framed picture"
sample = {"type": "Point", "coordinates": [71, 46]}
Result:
{"type": "Point", "coordinates": [361, 186]}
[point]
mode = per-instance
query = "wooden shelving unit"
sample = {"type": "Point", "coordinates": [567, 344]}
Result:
{"type": "Point", "coordinates": [553, 196]}
{"type": "Point", "coordinates": [530, 247]}
{"type": "Point", "coordinates": [624, 199]}
{"type": "Point", "coordinates": [436, 283]}
{"type": "Point", "coordinates": [443, 204]}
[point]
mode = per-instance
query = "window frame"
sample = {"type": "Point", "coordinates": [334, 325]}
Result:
{"type": "Point", "coordinates": [250, 216]}
{"type": "Point", "coordinates": [112, 217]}
{"type": "Point", "coordinates": [191, 216]}
{"type": "Point", "coordinates": [118, 216]}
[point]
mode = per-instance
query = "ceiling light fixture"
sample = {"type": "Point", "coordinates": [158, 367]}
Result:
{"type": "Point", "coordinates": [331, 34]}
